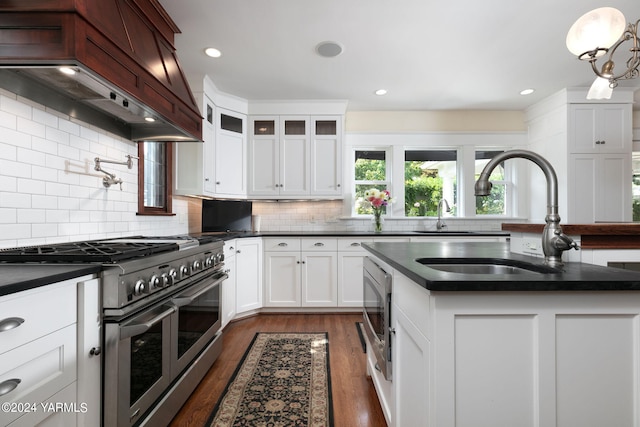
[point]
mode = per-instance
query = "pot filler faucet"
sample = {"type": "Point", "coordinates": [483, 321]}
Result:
{"type": "Point", "coordinates": [554, 241]}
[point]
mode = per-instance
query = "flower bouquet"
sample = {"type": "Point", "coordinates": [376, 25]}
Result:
{"type": "Point", "coordinates": [377, 200]}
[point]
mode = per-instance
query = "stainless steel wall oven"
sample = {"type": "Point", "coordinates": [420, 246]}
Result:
{"type": "Point", "coordinates": [377, 314]}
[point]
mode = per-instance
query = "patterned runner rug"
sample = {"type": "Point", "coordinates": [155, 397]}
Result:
{"type": "Point", "coordinates": [282, 380]}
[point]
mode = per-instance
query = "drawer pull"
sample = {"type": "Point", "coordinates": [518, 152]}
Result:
{"type": "Point", "coordinates": [10, 323]}
{"type": "Point", "coordinates": [8, 386]}
{"type": "Point", "coordinates": [283, 244]}
{"type": "Point", "coordinates": [318, 244]}
{"type": "Point", "coordinates": [355, 244]}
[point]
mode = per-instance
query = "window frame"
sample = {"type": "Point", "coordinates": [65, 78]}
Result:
{"type": "Point", "coordinates": [465, 145]}
{"type": "Point", "coordinates": [166, 210]}
{"type": "Point", "coordinates": [387, 183]}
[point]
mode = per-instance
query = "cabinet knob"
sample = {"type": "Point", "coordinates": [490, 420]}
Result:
{"type": "Point", "coordinates": [338, 185]}
{"type": "Point", "coordinates": [95, 351]}
{"type": "Point", "coordinates": [9, 385]}
{"type": "Point", "coordinates": [10, 323]}
{"type": "Point", "coordinates": [217, 182]}
{"type": "Point", "coordinates": [206, 179]}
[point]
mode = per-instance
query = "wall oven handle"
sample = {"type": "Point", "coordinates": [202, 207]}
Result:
{"type": "Point", "coordinates": [188, 299]}
{"type": "Point", "coordinates": [128, 331]}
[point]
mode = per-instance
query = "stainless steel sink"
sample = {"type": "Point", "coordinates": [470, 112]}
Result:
{"type": "Point", "coordinates": [485, 266]}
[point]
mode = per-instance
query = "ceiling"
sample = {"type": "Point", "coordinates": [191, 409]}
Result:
{"type": "Point", "coordinates": [428, 55]}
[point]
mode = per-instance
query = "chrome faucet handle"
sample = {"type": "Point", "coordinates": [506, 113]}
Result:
{"type": "Point", "coordinates": [564, 242]}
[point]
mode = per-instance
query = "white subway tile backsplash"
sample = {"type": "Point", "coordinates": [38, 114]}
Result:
{"type": "Point", "coordinates": [31, 186]}
{"type": "Point", "coordinates": [13, 106]}
{"type": "Point", "coordinates": [30, 127]}
{"type": "Point", "coordinates": [14, 231]}
{"type": "Point", "coordinates": [45, 118]}
{"type": "Point", "coordinates": [29, 156]}
{"type": "Point", "coordinates": [56, 189]}
{"type": "Point", "coordinates": [8, 121]}
{"type": "Point", "coordinates": [14, 200]}
{"type": "Point", "coordinates": [8, 215]}
{"type": "Point", "coordinates": [50, 192]}
{"type": "Point", "coordinates": [31, 216]}
{"type": "Point", "coordinates": [8, 152]}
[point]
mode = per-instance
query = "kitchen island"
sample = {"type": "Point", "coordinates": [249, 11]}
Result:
{"type": "Point", "coordinates": [515, 349]}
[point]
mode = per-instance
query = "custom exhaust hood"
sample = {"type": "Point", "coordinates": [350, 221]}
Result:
{"type": "Point", "coordinates": [123, 73]}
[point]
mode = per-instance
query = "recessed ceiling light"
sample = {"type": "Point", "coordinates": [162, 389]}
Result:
{"type": "Point", "coordinates": [213, 52]}
{"type": "Point", "coordinates": [67, 70]}
{"type": "Point", "coordinates": [527, 91]}
{"type": "Point", "coordinates": [381, 92]}
{"type": "Point", "coordinates": [329, 49]}
{"type": "Point", "coordinates": [149, 119]}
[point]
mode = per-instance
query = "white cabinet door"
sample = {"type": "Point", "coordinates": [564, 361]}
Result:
{"type": "Point", "coordinates": [410, 373]}
{"type": "Point", "coordinates": [326, 156]}
{"type": "Point", "coordinates": [319, 279]}
{"type": "Point", "coordinates": [294, 156]}
{"type": "Point", "coordinates": [600, 128]}
{"type": "Point", "coordinates": [282, 279]}
{"type": "Point", "coordinates": [264, 156]}
{"type": "Point", "coordinates": [230, 156]}
{"type": "Point", "coordinates": [248, 275]}
{"type": "Point", "coordinates": [229, 285]}
{"type": "Point", "coordinates": [350, 282]}
{"type": "Point", "coordinates": [600, 188]}
{"type": "Point", "coordinates": [89, 352]}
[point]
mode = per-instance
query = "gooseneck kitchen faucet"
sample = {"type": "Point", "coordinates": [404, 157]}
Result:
{"type": "Point", "coordinates": [554, 241]}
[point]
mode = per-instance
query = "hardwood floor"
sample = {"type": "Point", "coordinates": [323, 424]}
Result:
{"type": "Point", "coordinates": [355, 403]}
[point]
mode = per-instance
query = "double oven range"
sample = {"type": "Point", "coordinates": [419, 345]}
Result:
{"type": "Point", "coordinates": [161, 318]}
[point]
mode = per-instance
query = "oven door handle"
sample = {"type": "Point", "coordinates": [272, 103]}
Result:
{"type": "Point", "coordinates": [188, 299]}
{"type": "Point", "coordinates": [128, 331]}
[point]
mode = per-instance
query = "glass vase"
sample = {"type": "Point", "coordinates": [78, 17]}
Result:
{"type": "Point", "coordinates": [377, 222]}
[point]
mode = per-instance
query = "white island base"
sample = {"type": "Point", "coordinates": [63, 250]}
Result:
{"type": "Point", "coordinates": [512, 359]}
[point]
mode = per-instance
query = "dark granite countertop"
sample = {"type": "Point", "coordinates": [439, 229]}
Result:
{"type": "Point", "coordinates": [573, 277]}
{"type": "Point", "coordinates": [342, 233]}
{"type": "Point", "coordinates": [20, 277]}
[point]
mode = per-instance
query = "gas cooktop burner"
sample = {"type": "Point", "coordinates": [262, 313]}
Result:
{"type": "Point", "coordinates": [92, 251]}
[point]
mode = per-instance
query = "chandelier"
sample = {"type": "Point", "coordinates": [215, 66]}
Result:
{"type": "Point", "coordinates": [600, 33]}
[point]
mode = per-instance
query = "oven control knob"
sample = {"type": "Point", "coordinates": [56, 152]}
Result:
{"type": "Point", "coordinates": [208, 261]}
{"type": "Point", "coordinates": [184, 271]}
{"type": "Point", "coordinates": [154, 282]}
{"type": "Point", "coordinates": [164, 280]}
{"type": "Point", "coordinates": [173, 275]}
{"type": "Point", "coordinates": [140, 287]}
{"type": "Point", "coordinates": [219, 258]}
{"type": "Point", "coordinates": [197, 265]}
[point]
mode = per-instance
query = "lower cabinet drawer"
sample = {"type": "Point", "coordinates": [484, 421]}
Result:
{"type": "Point", "coordinates": [38, 370]}
{"type": "Point", "coordinates": [61, 410]}
{"type": "Point", "coordinates": [34, 313]}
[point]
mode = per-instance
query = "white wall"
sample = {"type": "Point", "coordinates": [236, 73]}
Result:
{"type": "Point", "coordinates": [49, 191]}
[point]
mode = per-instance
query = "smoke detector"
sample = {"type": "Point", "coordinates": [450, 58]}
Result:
{"type": "Point", "coordinates": [329, 49]}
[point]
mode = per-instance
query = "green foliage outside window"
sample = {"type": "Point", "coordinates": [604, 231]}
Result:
{"type": "Point", "coordinates": [422, 190]}
{"type": "Point", "coordinates": [368, 170]}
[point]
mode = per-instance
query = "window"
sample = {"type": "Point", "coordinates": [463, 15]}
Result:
{"type": "Point", "coordinates": [371, 171]}
{"type": "Point", "coordinates": [429, 176]}
{"type": "Point", "coordinates": [154, 178]}
{"type": "Point", "coordinates": [496, 202]}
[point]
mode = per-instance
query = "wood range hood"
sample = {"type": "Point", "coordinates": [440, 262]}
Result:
{"type": "Point", "coordinates": [123, 53]}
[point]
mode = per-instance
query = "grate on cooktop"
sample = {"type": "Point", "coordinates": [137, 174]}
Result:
{"type": "Point", "coordinates": [85, 252]}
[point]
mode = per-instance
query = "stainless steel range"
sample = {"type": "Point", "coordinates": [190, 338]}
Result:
{"type": "Point", "coordinates": [161, 318]}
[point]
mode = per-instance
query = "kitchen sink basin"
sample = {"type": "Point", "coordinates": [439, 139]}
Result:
{"type": "Point", "coordinates": [485, 266]}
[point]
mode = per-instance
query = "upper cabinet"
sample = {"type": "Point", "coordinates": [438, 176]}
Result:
{"type": "Point", "coordinates": [600, 128]}
{"type": "Point", "coordinates": [589, 144]}
{"type": "Point", "coordinates": [216, 168]}
{"type": "Point", "coordinates": [295, 156]}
